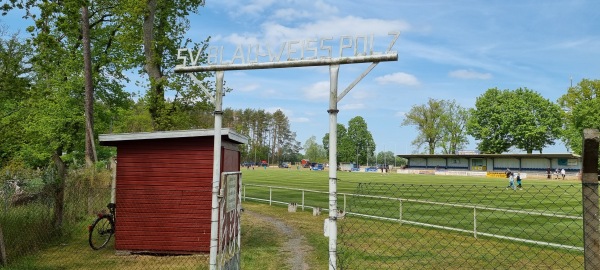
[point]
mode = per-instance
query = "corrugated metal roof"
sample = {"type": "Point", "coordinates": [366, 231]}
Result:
{"type": "Point", "coordinates": [565, 155]}
{"type": "Point", "coordinates": [107, 138]}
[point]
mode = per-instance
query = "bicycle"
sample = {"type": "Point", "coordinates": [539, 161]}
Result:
{"type": "Point", "coordinates": [103, 228]}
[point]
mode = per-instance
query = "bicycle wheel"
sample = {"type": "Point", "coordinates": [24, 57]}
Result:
{"type": "Point", "coordinates": [100, 232]}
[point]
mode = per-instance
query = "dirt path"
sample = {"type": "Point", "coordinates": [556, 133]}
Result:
{"type": "Point", "coordinates": [294, 246]}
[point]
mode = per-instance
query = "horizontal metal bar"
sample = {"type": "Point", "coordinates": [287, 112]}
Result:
{"type": "Point", "coordinates": [294, 63]}
{"type": "Point", "coordinates": [469, 206]}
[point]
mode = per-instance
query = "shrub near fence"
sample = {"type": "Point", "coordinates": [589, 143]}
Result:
{"type": "Point", "coordinates": [28, 219]}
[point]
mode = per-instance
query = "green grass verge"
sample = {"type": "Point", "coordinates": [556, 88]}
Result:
{"type": "Point", "coordinates": [261, 246]}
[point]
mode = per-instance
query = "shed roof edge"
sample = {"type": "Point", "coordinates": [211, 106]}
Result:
{"type": "Point", "coordinates": [107, 138]}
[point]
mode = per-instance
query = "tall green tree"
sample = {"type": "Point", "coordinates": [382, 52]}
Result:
{"type": "Point", "coordinates": [359, 139]}
{"type": "Point", "coordinates": [151, 33]}
{"type": "Point", "coordinates": [314, 151]}
{"type": "Point", "coordinates": [489, 123]}
{"type": "Point", "coordinates": [15, 80]}
{"type": "Point", "coordinates": [57, 100]}
{"type": "Point", "coordinates": [454, 123]}
{"type": "Point", "coordinates": [429, 119]}
{"type": "Point", "coordinates": [521, 118]}
{"type": "Point", "coordinates": [581, 106]}
{"type": "Point", "coordinates": [345, 147]}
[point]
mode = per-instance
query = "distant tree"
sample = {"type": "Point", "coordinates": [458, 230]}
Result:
{"type": "Point", "coordinates": [314, 151]}
{"type": "Point", "coordinates": [489, 123]}
{"type": "Point", "coordinates": [429, 119]}
{"type": "Point", "coordinates": [359, 138]}
{"type": "Point", "coordinates": [581, 106]}
{"type": "Point", "coordinates": [345, 148]}
{"type": "Point", "coordinates": [14, 85]}
{"type": "Point", "coordinates": [454, 123]}
{"type": "Point", "coordinates": [537, 123]}
{"type": "Point", "coordinates": [386, 157]}
{"type": "Point", "coordinates": [521, 118]}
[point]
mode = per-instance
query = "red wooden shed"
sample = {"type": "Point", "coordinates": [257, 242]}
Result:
{"type": "Point", "coordinates": [164, 188]}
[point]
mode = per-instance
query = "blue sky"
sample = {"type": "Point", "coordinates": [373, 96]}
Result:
{"type": "Point", "coordinates": [447, 50]}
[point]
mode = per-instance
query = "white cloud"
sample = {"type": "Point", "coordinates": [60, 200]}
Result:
{"type": "Point", "coordinates": [238, 39]}
{"type": "Point", "coordinates": [398, 78]}
{"type": "Point", "coordinates": [399, 114]}
{"type": "Point", "coordinates": [287, 112]}
{"type": "Point", "coordinates": [332, 27]}
{"type": "Point", "coordinates": [469, 74]}
{"type": "Point", "coordinates": [318, 9]}
{"type": "Point", "coordinates": [354, 106]}
{"type": "Point", "coordinates": [254, 7]}
{"type": "Point", "coordinates": [317, 91]}
{"type": "Point", "coordinates": [247, 87]}
{"type": "Point", "coordinates": [299, 119]}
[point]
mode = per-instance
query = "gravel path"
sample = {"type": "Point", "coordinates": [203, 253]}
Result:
{"type": "Point", "coordinates": [294, 246]}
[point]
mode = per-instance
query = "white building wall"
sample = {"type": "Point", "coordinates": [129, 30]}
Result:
{"type": "Point", "coordinates": [535, 163]}
{"type": "Point", "coordinates": [417, 162]}
{"type": "Point", "coordinates": [458, 163]}
{"type": "Point", "coordinates": [503, 163]}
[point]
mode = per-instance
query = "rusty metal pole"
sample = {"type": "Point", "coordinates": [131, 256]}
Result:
{"type": "Point", "coordinates": [589, 190]}
{"type": "Point", "coordinates": [2, 249]}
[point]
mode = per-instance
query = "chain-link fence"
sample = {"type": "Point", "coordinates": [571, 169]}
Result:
{"type": "Point", "coordinates": [391, 226]}
{"type": "Point", "coordinates": [31, 221]}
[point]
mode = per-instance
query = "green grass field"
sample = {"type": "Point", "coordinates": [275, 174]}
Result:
{"type": "Point", "coordinates": [375, 244]}
{"type": "Point", "coordinates": [544, 216]}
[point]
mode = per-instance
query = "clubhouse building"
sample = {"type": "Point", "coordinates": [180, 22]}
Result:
{"type": "Point", "coordinates": [473, 161]}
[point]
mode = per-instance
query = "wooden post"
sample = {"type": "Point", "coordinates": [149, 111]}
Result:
{"type": "Point", "coordinates": [2, 249]}
{"type": "Point", "coordinates": [589, 190]}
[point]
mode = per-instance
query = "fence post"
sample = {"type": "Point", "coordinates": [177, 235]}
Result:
{"type": "Point", "coordinates": [2, 249]}
{"type": "Point", "coordinates": [244, 192]}
{"type": "Point", "coordinates": [475, 222]}
{"type": "Point", "coordinates": [400, 217]}
{"type": "Point", "coordinates": [303, 200]}
{"type": "Point", "coordinates": [589, 190]}
{"type": "Point", "coordinates": [270, 195]}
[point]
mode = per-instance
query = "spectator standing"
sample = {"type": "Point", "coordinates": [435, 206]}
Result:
{"type": "Point", "coordinates": [511, 179]}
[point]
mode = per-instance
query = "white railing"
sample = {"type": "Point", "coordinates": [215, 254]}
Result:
{"type": "Point", "coordinates": [400, 219]}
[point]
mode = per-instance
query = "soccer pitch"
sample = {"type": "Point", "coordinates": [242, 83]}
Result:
{"type": "Point", "coordinates": [428, 221]}
{"type": "Point", "coordinates": [544, 211]}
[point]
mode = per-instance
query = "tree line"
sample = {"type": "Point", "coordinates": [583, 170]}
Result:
{"type": "Point", "coordinates": [503, 120]}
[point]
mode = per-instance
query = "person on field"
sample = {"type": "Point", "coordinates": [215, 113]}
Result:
{"type": "Point", "coordinates": [519, 186]}
{"type": "Point", "coordinates": [563, 173]}
{"type": "Point", "coordinates": [556, 172]}
{"type": "Point", "coordinates": [511, 179]}
{"type": "Point", "coordinates": [548, 172]}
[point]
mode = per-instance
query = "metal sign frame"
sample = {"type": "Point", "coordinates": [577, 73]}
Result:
{"type": "Point", "coordinates": [334, 98]}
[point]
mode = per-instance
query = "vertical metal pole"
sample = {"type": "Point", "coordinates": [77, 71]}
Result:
{"type": "Point", "coordinates": [400, 218]}
{"type": "Point", "coordinates": [344, 203]}
{"type": "Point", "coordinates": [214, 225]}
{"type": "Point", "coordinates": [333, 111]}
{"type": "Point", "coordinates": [244, 193]}
{"type": "Point", "coordinates": [2, 249]}
{"type": "Point", "coordinates": [589, 190]}
{"type": "Point", "coordinates": [302, 200]}
{"type": "Point", "coordinates": [474, 222]}
{"type": "Point", "coordinates": [270, 195]}
{"type": "Point", "coordinates": [113, 184]}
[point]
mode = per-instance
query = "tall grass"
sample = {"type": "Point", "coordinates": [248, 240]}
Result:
{"type": "Point", "coordinates": [30, 226]}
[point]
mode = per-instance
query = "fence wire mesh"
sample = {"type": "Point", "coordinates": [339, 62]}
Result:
{"type": "Point", "coordinates": [391, 226]}
{"type": "Point", "coordinates": [33, 235]}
